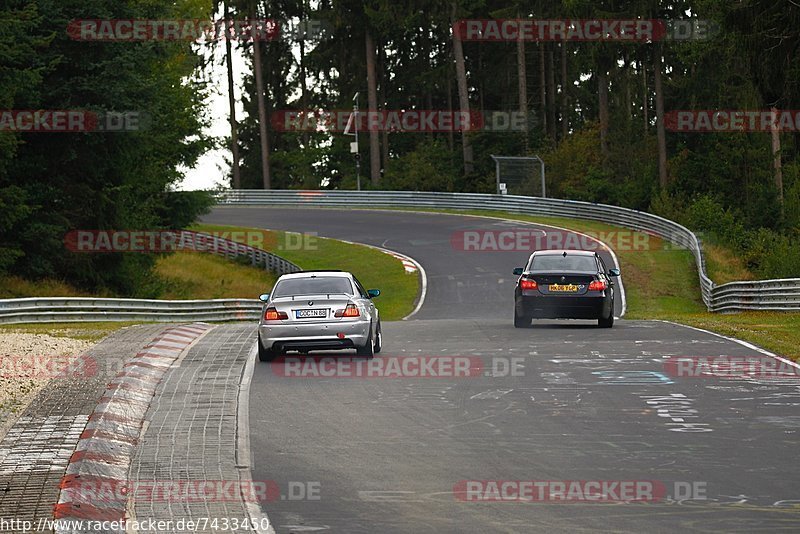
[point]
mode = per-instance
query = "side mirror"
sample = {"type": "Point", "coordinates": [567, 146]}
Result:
{"type": "Point", "coordinates": [373, 293]}
{"type": "Point", "coordinates": [518, 270]}
{"type": "Point", "coordinates": [264, 297]}
{"type": "Point", "coordinates": [613, 272]}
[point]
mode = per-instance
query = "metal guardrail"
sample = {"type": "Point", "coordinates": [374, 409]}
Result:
{"type": "Point", "coordinates": [774, 295]}
{"type": "Point", "coordinates": [778, 295]}
{"type": "Point", "coordinates": [91, 309]}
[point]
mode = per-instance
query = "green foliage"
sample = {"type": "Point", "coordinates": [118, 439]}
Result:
{"type": "Point", "coordinates": [51, 183]}
{"type": "Point", "coordinates": [179, 209]}
{"type": "Point", "coordinates": [576, 170]}
{"type": "Point", "coordinates": [426, 168]}
{"type": "Point", "coordinates": [765, 252]}
{"type": "Point", "coordinates": [720, 184]}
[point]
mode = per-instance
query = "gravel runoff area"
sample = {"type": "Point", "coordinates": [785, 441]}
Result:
{"type": "Point", "coordinates": [27, 363]}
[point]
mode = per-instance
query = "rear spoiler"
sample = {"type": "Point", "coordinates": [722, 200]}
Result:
{"type": "Point", "coordinates": [327, 295]}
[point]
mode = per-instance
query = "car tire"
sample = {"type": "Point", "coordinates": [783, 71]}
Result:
{"type": "Point", "coordinates": [265, 355]}
{"type": "Point", "coordinates": [607, 322]}
{"type": "Point", "coordinates": [378, 339]}
{"type": "Point", "coordinates": [368, 350]}
{"type": "Point", "coordinates": [521, 321]}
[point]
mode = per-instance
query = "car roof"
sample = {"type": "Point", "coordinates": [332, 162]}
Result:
{"type": "Point", "coordinates": [311, 274]}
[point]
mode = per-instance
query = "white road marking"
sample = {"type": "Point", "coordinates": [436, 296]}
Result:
{"type": "Point", "coordinates": [739, 341]}
{"type": "Point", "coordinates": [492, 394]}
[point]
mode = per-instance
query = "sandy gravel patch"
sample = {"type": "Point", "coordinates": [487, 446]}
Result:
{"type": "Point", "coordinates": [28, 362]}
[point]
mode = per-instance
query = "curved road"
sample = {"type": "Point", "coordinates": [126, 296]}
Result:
{"type": "Point", "coordinates": [559, 402]}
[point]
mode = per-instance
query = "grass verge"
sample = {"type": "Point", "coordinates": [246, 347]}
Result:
{"type": "Point", "coordinates": [199, 275]}
{"type": "Point", "coordinates": [14, 287]}
{"type": "Point", "coordinates": [661, 282]}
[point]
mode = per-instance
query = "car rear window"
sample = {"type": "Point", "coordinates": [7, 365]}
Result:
{"type": "Point", "coordinates": [563, 263]}
{"type": "Point", "coordinates": [312, 286]}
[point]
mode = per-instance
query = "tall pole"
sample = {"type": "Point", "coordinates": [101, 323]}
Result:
{"type": "Point", "coordinates": [357, 156]}
{"type": "Point", "coordinates": [544, 192]}
{"type": "Point", "coordinates": [237, 181]}
{"type": "Point", "coordinates": [496, 172]}
{"type": "Point", "coordinates": [262, 111]}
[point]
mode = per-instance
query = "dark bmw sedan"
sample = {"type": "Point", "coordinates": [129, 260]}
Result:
{"type": "Point", "coordinates": [564, 284]}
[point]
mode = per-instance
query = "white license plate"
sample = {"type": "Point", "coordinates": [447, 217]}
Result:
{"type": "Point", "coordinates": [307, 314]}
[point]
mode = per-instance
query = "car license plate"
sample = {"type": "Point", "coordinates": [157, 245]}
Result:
{"type": "Point", "coordinates": [563, 288]}
{"type": "Point", "coordinates": [309, 314]}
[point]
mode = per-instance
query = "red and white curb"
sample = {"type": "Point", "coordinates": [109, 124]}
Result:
{"type": "Point", "coordinates": [411, 266]}
{"type": "Point", "coordinates": [103, 454]}
{"type": "Point", "coordinates": [408, 265]}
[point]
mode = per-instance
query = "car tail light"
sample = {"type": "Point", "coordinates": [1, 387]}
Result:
{"type": "Point", "coordinates": [598, 285]}
{"type": "Point", "coordinates": [350, 311]}
{"type": "Point", "coordinates": [274, 315]}
{"type": "Point", "coordinates": [528, 284]}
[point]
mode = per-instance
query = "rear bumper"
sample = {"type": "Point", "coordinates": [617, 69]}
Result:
{"type": "Point", "coordinates": [545, 307]}
{"type": "Point", "coordinates": [317, 336]}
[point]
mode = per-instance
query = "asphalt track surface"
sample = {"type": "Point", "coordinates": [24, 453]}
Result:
{"type": "Point", "coordinates": [560, 401]}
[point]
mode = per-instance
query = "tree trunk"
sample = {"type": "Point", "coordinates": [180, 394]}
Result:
{"type": "Point", "coordinates": [237, 179]}
{"type": "Point", "coordinates": [382, 95]}
{"type": "Point", "coordinates": [542, 90]}
{"type": "Point", "coordinates": [262, 111]}
{"type": "Point", "coordinates": [602, 93]}
{"type": "Point", "coordinates": [628, 96]}
{"type": "Point", "coordinates": [481, 90]}
{"type": "Point", "coordinates": [564, 92]}
{"type": "Point", "coordinates": [463, 94]}
{"type": "Point", "coordinates": [425, 66]}
{"type": "Point", "coordinates": [450, 138]}
{"type": "Point", "coordinates": [303, 84]}
{"type": "Point", "coordinates": [372, 108]}
{"type": "Point", "coordinates": [645, 99]}
{"type": "Point", "coordinates": [776, 156]}
{"type": "Point", "coordinates": [551, 96]}
{"type": "Point", "coordinates": [660, 133]}
{"type": "Point", "coordinates": [522, 89]}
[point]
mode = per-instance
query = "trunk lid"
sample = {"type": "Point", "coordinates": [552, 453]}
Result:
{"type": "Point", "coordinates": [303, 309]}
